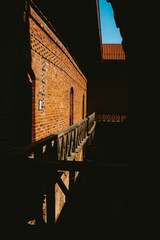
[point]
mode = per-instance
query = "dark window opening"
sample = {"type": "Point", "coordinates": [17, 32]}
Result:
{"type": "Point", "coordinates": [83, 107]}
{"type": "Point", "coordinates": [71, 106]}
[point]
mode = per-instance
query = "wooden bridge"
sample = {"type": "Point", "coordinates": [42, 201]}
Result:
{"type": "Point", "coordinates": [42, 165]}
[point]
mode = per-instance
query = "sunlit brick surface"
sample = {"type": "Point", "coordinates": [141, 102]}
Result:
{"type": "Point", "coordinates": [55, 74]}
{"type": "Point", "coordinates": [113, 52]}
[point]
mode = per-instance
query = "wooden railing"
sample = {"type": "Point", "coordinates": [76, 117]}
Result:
{"type": "Point", "coordinates": [65, 144]}
{"type": "Point", "coordinates": [71, 140]}
{"type": "Point", "coordinates": [91, 127]}
{"type": "Point", "coordinates": [106, 117]}
{"type": "Point", "coordinates": [40, 167]}
{"type": "Point", "coordinates": [46, 160]}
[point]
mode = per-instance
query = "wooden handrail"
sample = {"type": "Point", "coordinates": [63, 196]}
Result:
{"type": "Point", "coordinates": [91, 121]}
{"type": "Point", "coordinates": [111, 117]}
{"type": "Point", "coordinates": [43, 160]}
{"type": "Point", "coordinates": [69, 129]}
{"type": "Point", "coordinates": [62, 145]}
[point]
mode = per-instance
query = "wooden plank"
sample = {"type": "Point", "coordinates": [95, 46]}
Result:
{"type": "Point", "coordinates": [90, 131]}
{"type": "Point", "coordinates": [62, 186]}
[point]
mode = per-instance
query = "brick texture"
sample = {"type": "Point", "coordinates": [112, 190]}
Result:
{"type": "Point", "coordinates": [55, 74]}
{"type": "Point", "coordinates": [113, 52]}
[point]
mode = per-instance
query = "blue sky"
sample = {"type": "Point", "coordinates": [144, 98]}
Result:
{"type": "Point", "coordinates": [110, 33]}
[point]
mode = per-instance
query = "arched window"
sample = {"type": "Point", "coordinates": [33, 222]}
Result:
{"type": "Point", "coordinates": [83, 107]}
{"type": "Point", "coordinates": [71, 106]}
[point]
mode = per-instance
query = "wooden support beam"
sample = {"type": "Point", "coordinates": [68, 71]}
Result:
{"type": "Point", "coordinates": [77, 166]}
{"type": "Point", "coordinates": [51, 180]}
{"type": "Point", "coordinates": [62, 186]}
{"type": "Point", "coordinates": [51, 205]}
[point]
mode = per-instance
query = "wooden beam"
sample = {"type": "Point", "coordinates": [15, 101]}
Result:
{"type": "Point", "coordinates": [77, 166]}
{"type": "Point", "coordinates": [62, 186]}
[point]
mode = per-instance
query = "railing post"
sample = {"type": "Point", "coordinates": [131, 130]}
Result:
{"type": "Point", "coordinates": [88, 129]}
{"type": "Point", "coordinates": [71, 142]}
{"type": "Point", "coordinates": [84, 152]}
{"type": "Point", "coordinates": [68, 145]}
{"type": "Point", "coordinates": [63, 151]}
{"type": "Point", "coordinates": [75, 140]}
{"type": "Point", "coordinates": [38, 153]}
{"type": "Point", "coordinates": [49, 149]}
{"type": "Point", "coordinates": [55, 153]}
{"type": "Point", "coordinates": [59, 148]}
{"type": "Point", "coordinates": [77, 136]}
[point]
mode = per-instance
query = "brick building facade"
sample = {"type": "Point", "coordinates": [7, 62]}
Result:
{"type": "Point", "coordinates": [39, 74]}
{"type": "Point", "coordinates": [59, 88]}
{"type": "Point", "coordinates": [44, 89]}
{"type": "Point", "coordinates": [56, 76]}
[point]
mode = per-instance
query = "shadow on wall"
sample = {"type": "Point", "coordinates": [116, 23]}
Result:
{"type": "Point", "coordinates": [22, 88]}
{"type": "Point", "coordinates": [16, 113]}
{"type": "Point", "coordinates": [16, 75]}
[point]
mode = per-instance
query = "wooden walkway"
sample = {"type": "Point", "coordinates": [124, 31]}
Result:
{"type": "Point", "coordinates": [97, 206]}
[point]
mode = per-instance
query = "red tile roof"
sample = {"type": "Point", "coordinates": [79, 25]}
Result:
{"type": "Point", "coordinates": [112, 52]}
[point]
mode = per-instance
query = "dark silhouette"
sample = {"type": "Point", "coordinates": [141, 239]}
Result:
{"type": "Point", "coordinates": [118, 201]}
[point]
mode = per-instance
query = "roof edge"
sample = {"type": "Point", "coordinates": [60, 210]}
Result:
{"type": "Point", "coordinates": [99, 28]}
{"type": "Point", "coordinates": [48, 23]}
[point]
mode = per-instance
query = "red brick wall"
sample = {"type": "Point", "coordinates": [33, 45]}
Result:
{"type": "Point", "coordinates": [55, 74]}
{"type": "Point", "coordinates": [36, 66]}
